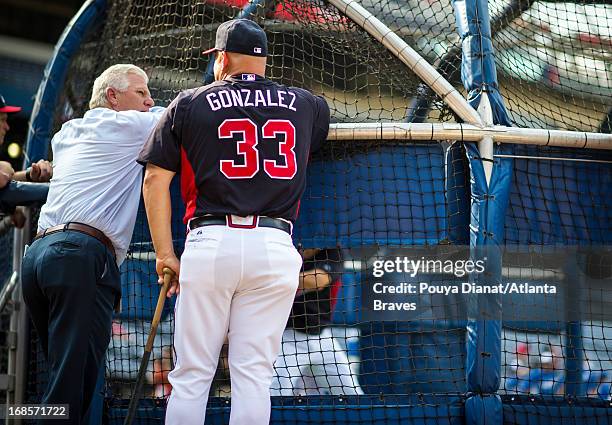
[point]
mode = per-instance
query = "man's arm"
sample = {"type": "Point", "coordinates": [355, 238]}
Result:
{"type": "Point", "coordinates": [40, 171]}
{"type": "Point", "coordinates": [314, 280]}
{"type": "Point", "coordinates": [156, 194]}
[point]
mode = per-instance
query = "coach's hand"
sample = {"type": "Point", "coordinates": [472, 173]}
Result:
{"type": "Point", "coordinates": [173, 264]}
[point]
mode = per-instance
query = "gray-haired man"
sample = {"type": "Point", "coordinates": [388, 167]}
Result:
{"type": "Point", "coordinates": [70, 273]}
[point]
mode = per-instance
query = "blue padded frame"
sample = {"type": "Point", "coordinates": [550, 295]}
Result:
{"type": "Point", "coordinates": [41, 123]}
{"type": "Point", "coordinates": [489, 202]}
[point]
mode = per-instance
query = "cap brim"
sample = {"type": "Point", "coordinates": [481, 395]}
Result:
{"type": "Point", "coordinates": [209, 51]}
{"type": "Point", "coordinates": [10, 109]}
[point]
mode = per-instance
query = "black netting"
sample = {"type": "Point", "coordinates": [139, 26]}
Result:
{"type": "Point", "coordinates": [311, 45]}
{"type": "Point", "coordinates": [554, 65]}
{"type": "Point", "coordinates": [364, 199]}
{"type": "Point", "coordinates": [561, 210]}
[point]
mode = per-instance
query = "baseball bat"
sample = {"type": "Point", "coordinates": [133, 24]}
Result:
{"type": "Point", "coordinates": [168, 275]}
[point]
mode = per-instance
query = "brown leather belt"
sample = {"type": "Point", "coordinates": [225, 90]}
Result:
{"type": "Point", "coordinates": [79, 227]}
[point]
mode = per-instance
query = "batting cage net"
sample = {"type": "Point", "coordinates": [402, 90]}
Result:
{"type": "Point", "coordinates": [560, 209]}
{"type": "Point", "coordinates": [368, 201]}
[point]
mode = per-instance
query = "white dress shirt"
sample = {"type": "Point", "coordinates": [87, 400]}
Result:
{"type": "Point", "coordinates": [96, 179]}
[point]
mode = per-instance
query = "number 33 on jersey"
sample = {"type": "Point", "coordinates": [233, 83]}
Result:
{"type": "Point", "coordinates": [241, 133]}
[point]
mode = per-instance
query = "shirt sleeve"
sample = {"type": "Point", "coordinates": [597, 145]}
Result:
{"type": "Point", "coordinates": [321, 124]}
{"type": "Point", "coordinates": [163, 147]}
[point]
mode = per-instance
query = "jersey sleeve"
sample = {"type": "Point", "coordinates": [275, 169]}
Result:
{"type": "Point", "coordinates": [163, 147]}
{"type": "Point", "coordinates": [321, 124]}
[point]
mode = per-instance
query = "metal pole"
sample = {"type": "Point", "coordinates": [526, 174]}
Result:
{"type": "Point", "coordinates": [410, 57]}
{"type": "Point", "coordinates": [553, 158]}
{"type": "Point", "coordinates": [468, 133]}
{"type": "Point", "coordinates": [7, 290]}
{"type": "Point", "coordinates": [18, 328]}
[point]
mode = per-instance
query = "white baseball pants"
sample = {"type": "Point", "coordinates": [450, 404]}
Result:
{"type": "Point", "coordinates": [237, 280]}
{"type": "Point", "coordinates": [313, 365]}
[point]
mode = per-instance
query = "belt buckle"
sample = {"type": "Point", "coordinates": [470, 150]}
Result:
{"type": "Point", "coordinates": [237, 222]}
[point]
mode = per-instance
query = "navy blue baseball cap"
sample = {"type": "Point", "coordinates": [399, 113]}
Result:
{"type": "Point", "coordinates": [7, 108]}
{"type": "Point", "coordinates": [241, 36]}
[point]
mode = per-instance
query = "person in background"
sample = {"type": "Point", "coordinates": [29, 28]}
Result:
{"type": "Point", "coordinates": [312, 361]}
{"type": "Point", "coordinates": [13, 194]}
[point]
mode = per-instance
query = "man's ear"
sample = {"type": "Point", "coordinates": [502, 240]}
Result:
{"type": "Point", "coordinates": [219, 58]}
{"type": "Point", "coordinates": [225, 60]}
{"type": "Point", "coordinates": [111, 97]}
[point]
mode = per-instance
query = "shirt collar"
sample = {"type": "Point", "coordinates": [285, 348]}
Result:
{"type": "Point", "coordinates": [246, 77]}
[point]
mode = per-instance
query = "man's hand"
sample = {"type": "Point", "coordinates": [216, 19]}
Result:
{"type": "Point", "coordinates": [6, 173]}
{"type": "Point", "coordinates": [18, 218]}
{"type": "Point", "coordinates": [41, 171]}
{"type": "Point", "coordinates": [173, 264]}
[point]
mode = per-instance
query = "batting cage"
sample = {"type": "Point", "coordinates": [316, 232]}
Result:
{"type": "Point", "coordinates": [467, 134]}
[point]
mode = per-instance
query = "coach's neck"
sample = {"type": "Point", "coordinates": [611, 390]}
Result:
{"type": "Point", "coordinates": [229, 64]}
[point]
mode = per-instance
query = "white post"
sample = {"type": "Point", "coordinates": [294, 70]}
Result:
{"type": "Point", "coordinates": [485, 145]}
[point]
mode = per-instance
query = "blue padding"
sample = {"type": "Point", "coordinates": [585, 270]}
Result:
{"type": "Point", "coordinates": [560, 202]}
{"type": "Point", "coordinates": [402, 358]}
{"type": "Point", "coordinates": [458, 195]}
{"type": "Point", "coordinates": [345, 410]}
{"type": "Point", "coordinates": [485, 410]}
{"type": "Point", "coordinates": [489, 203]}
{"type": "Point", "coordinates": [483, 365]}
{"type": "Point", "coordinates": [483, 368]}
{"type": "Point", "coordinates": [348, 300]}
{"type": "Point", "coordinates": [41, 124]}
{"type": "Point", "coordinates": [22, 194]}
{"type": "Point", "coordinates": [528, 413]}
{"type": "Point", "coordinates": [394, 195]}
{"type": "Point", "coordinates": [478, 71]}
{"type": "Point", "coordinates": [140, 291]}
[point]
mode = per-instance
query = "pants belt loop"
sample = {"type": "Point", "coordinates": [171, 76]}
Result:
{"type": "Point", "coordinates": [189, 225]}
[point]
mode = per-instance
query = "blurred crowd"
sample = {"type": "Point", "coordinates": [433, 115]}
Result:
{"type": "Point", "coordinates": [540, 369]}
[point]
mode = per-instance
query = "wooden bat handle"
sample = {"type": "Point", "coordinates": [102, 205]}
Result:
{"type": "Point", "coordinates": [168, 275]}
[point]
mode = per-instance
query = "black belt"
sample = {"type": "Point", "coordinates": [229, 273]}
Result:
{"type": "Point", "coordinates": [222, 220]}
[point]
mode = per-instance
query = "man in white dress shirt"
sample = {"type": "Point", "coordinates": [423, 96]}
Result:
{"type": "Point", "coordinates": [70, 272]}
